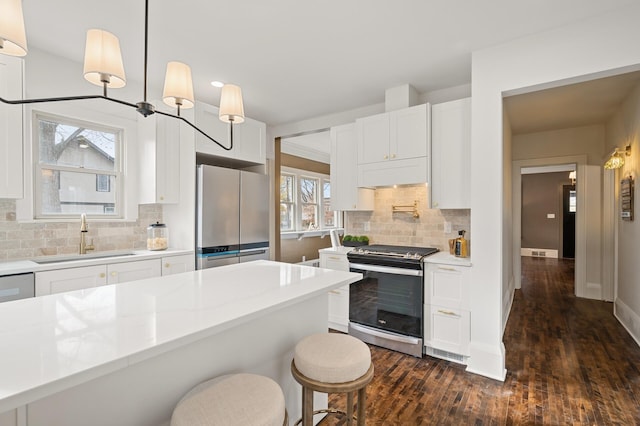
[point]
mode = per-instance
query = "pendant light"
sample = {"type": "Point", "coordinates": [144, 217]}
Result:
{"type": "Point", "coordinates": [103, 66]}
{"type": "Point", "coordinates": [13, 41]}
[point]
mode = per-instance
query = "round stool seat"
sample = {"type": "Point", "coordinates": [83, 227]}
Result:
{"type": "Point", "coordinates": [235, 399]}
{"type": "Point", "coordinates": [332, 357]}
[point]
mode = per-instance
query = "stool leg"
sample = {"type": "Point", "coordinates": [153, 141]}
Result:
{"type": "Point", "coordinates": [307, 406]}
{"type": "Point", "coordinates": [362, 405]}
{"type": "Point", "coordinates": [349, 408]}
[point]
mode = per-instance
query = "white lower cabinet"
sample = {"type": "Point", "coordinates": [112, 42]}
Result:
{"type": "Point", "coordinates": [448, 328]}
{"type": "Point", "coordinates": [177, 264]}
{"type": "Point", "coordinates": [338, 298]}
{"type": "Point", "coordinates": [132, 271]}
{"type": "Point", "coordinates": [447, 318]}
{"type": "Point", "coordinates": [61, 280]}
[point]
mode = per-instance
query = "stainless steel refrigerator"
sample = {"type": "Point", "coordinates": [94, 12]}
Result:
{"type": "Point", "coordinates": [232, 219]}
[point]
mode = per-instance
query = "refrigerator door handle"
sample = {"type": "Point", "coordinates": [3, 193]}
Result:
{"type": "Point", "coordinates": [251, 252]}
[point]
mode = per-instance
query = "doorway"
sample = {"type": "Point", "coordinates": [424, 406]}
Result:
{"type": "Point", "coordinates": [579, 163]}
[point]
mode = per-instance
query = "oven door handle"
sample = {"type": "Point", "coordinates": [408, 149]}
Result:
{"type": "Point", "coordinates": [386, 269]}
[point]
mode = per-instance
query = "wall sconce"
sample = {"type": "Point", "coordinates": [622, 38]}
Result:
{"type": "Point", "coordinates": [572, 176]}
{"type": "Point", "coordinates": [616, 158]}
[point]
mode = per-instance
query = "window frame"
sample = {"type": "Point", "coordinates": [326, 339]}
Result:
{"type": "Point", "coordinates": [39, 166]}
{"type": "Point", "coordinates": [292, 204]}
{"type": "Point", "coordinates": [321, 179]}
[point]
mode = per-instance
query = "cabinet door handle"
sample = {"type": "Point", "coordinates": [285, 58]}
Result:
{"type": "Point", "coordinates": [114, 273]}
{"type": "Point", "coordinates": [386, 157]}
{"type": "Point", "coordinates": [102, 275]}
{"type": "Point", "coordinates": [393, 156]}
{"type": "Point", "coordinates": [435, 204]}
{"type": "Point", "coordinates": [442, 268]}
{"type": "Point", "coordinates": [167, 265]}
{"type": "Point", "coordinates": [450, 313]}
{"type": "Point", "coordinates": [161, 198]}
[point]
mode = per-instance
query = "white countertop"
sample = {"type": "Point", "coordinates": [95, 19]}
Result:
{"type": "Point", "coordinates": [54, 342]}
{"type": "Point", "coordinates": [90, 259]}
{"type": "Point", "coordinates": [445, 258]}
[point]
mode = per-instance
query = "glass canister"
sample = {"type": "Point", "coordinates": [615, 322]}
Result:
{"type": "Point", "coordinates": [157, 236]}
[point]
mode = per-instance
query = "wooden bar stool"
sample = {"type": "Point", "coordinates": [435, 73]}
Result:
{"type": "Point", "coordinates": [332, 363]}
{"type": "Point", "coordinates": [231, 400]}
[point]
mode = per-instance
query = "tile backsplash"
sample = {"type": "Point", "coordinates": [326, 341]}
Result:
{"type": "Point", "coordinates": [401, 228]}
{"type": "Point", "coordinates": [28, 240]}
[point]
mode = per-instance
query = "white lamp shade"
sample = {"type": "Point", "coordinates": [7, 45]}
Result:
{"type": "Point", "coordinates": [102, 59]}
{"type": "Point", "coordinates": [178, 86]}
{"type": "Point", "coordinates": [231, 108]}
{"type": "Point", "coordinates": [12, 36]}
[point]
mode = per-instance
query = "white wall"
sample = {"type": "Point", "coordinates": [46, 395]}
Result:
{"type": "Point", "coordinates": [587, 140]}
{"type": "Point", "coordinates": [624, 129]}
{"type": "Point", "coordinates": [592, 48]}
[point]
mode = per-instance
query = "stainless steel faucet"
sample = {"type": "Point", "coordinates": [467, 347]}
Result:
{"type": "Point", "coordinates": [83, 230]}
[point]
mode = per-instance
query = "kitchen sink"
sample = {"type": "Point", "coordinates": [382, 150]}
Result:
{"type": "Point", "coordinates": [75, 257]}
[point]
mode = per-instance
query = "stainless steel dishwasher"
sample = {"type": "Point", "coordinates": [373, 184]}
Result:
{"type": "Point", "coordinates": [17, 286]}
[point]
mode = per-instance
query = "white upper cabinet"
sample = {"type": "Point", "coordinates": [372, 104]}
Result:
{"type": "Point", "coordinates": [373, 138]}
{"type": "Point", "coordinates": [408, 137]}
{"type": "Point", "coordinates": [159, 141]}
{"type": "Point", "coordinates": [345, 194]}
{"type": "Point", "coordinates": [393, 147]}
{"type": "Point", "coordinates": [450, 154]}
{"type": "Point", "coordinates": [11, 140]}
{"type": "Point", "coordinates": [249, 137]}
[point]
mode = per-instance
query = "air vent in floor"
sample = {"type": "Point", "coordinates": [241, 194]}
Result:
{"type": "Point", "coordinates": [449, 356]}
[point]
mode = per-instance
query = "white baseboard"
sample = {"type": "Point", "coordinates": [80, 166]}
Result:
{"type": "Point", "coordinates": [536, 252]}
{"type": "Point", "coordinates": [628, 318]}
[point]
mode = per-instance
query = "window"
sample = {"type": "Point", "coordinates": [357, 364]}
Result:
{"type": "Point", "coordinates": [287, 202]}
{"type": "Point", "coordinates": [305, 201]}
{"type": "Point", "coordinates": [309, 203]}
{"type": "Point", "coordinates": [77, 168]}
{"type": "Point", "coordinates": [329, 217]}
{"type": "Point", "coordinates": [103, 183]}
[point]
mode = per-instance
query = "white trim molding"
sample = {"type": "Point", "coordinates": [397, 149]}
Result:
{"type": "Point", "coordinates": [629, 319]}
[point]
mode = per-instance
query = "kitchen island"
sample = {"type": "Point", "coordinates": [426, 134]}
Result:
{"type": "Point", "coordinates": [125, 354]}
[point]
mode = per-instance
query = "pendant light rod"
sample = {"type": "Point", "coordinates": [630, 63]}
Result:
{"type": "Point", "coordinates": [146, 45]}
{"type": "Point", "coordinates": [144, 107]}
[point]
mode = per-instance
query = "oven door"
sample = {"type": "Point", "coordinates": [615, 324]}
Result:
{"type": "Point", "coordinates": [388, 299]}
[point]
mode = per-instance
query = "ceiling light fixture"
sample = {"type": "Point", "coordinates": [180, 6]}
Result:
{"type": "Point", "coordinates": [103, 67]}
{"type": "Point", "coordinates": [616, 158]}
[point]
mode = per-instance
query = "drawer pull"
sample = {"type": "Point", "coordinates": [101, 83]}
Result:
{"type": "Point", "coordinates": [442, 268]}
{"type": "Point", "coordinates": [102, 275]}
{"type": "Point", "coordinates": [335, 258]}
{"type": "Point", "coordinates": [114, 273]}
{"type": "Point", "coordinates": [167, 265]}
{"type": "Point", "coordinates": [334, 292]}
{"type": "Point", "coordinates": [448, 313]}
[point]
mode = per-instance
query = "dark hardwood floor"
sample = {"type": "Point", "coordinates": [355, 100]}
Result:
{"type": "Point", "coordinates": [569, 362]}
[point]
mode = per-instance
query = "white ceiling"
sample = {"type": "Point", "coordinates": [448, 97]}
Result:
{"type": "Point", "coordinates": [575, 105]}
{"type": "Point", "coordinates": [300, 59]}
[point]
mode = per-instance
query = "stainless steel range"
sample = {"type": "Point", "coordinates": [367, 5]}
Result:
{"type": "Point", "coordinates": [386, 306]}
